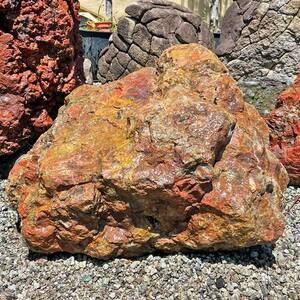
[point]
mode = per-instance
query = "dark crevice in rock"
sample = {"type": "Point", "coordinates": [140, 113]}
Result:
{"type": "Point", "coordinates": [7, 162]}
{"type": "Point", "coordinates": [221, 149]}
{"type": "Point", "coordinates": [270, 188]}
{"type": "Point", "coordinates": [62, 188]}
{"type": "Point", "coordinates": [154, 223]}
{"type": "Point", "coordinates": [4, 24]}
{"type": "Point", "coordinates": [18, 224]}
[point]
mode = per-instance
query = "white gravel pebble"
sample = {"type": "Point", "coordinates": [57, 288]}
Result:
{"type": "Point", "coordinates": [256, 273]}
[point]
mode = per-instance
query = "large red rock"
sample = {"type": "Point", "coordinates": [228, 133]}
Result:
{"type": "Point", "coordinates": [284, 123]}
{"type": "Point", "coordinates": [40, 63]}
{"type": "Point", "coordinates": [165, 159]}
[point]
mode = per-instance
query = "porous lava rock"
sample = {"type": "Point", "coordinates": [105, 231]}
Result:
{"type": "Point", "coordinates": [284, 123]}
{"type": "Point", "coordinates": [149, 28]}
{"type": "Point", "coordinates": [168, 159]}
{"type": "Point", "coordinates": [40, 63]}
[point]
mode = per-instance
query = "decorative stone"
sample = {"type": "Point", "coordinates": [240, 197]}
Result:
{"type": "Point", "coordinates": [156, 13]}
{"type": "Point", "coordinates": [110, 54]}
{"type": "Point", "coordinates": [121, 45]}
{"type": "Point", "coordinates": [142, 37]}
{"type": "Point", "coordinates": [9, 4]}
{"type": "Point", "coordinates": [231, 29]}
{"type": "Point", "coordinates": [136, 10]}
{"type": "Point", "coordinates": [116, 68]}
{"type": "Point", "coordinates": [126, 28]}
{"type": "Point", "coordinates": [168, 159]}
{"type": "Point", "coordinates": [260, 42]}
{"type": "Point", "coordinates": [186, 33]}
{"type": "Point", "coordinates": [265, 34]}
{"type": "Point", "coordinates": [123, 59]}
{"type": "Point", "coordinates": [158, 45]}
{"type": "Point", "coordinates": [40, 63]}
{"type": "Point", "coordinates": [132, 66]}
{"type": "Point", "coordinates": [138, 54]}
{"type": "Point", "coordinates": [149, 29]}
{"type": "Point", "coordinates": [284, 123]}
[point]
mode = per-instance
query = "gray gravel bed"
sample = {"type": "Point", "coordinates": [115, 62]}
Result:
{"type": "Point", "coordinates": [256, 273]}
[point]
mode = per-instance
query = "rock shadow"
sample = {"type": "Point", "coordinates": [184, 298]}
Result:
{"type": "Point", "coordinates": [258, 256]}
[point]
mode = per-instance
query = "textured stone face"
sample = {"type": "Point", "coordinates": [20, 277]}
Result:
{"type": "Point", "coordinates": [9, 4]}
{"type": "Point", "coordinates": [40, 63]}
{"type": "Point", "coordinates": [149, 29]}
{"type": "Point", "coordinates": [284, 123]}
{"type": "Point", "coordinates": [260, 43]}
{"type": "Point", "coordinates": [166, 159]}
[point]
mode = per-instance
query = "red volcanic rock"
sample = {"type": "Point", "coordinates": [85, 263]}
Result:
{"type": "Point", "coordinates": [40, 63]}
{"type": "Point", "coordinates": [284, 123]}
{"type": "Point", "coordinates": [8, 4]}
{"type": "Point", "coordinates": [165, 159]}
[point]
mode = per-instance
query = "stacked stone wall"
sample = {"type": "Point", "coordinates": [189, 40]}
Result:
{"type": "Point", "coordinates": [149, 29]}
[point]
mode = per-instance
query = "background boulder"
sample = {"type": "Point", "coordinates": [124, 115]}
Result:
{"type": "Point", "coordinates": [284, 123]}
{"type": "Point", "coordinates": [260, 46]}
{"type": "Point", "coordinates": [149, 29]}
{"type": "Point", "coordinates": [40, 63]}
{"type": "Point", "coordinates": [167, 159]}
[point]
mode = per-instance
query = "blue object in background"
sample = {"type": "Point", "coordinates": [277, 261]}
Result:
{"type": "Point", "coordinates": [93, 42]}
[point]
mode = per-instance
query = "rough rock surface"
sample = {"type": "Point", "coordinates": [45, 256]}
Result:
{"type": "Point", "coordinates": [260, 43]}
{"type": "Point", "coordinates": [142, 36]}
{"type": "Point", "coordinates": [284, 123]}
{"type": "Point", "coordinates": [261, 39]}
{"type": "Point", "coordinates": [40, 63]}
{"type": "Point", "coordinates": [166, 159]}
{"type": "Point", "coordinates": [256, 273]}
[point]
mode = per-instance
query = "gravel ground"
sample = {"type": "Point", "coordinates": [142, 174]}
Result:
{"type": "Point", "coordinates": [256, 273]}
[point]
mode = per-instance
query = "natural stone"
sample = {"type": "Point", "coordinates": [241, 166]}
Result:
{"type": "Point", "coordinates": [40, 63]}
{"type": "Point", "coordinates": [168, 159]}
{"type": "Point", "coordinates": [138, 54]}
{"type": "Point", "coordinates": [231, 27]}
{"type": "Point", "coordinates": [9, 4]}
{"type": "Point", "coordinates": [156, 13]}
{"type": "Point", "coordinates": [149, 29]}
{"type": "Point", "coordinates": [284, 123]}
{"type": "Point", "coordinates": [158, 45]}
{"type": "Point", "coordinates": [160, 28]}
{"type": "Point", "coordinates": [186, 33]}
{"type": "Point", "coordinates": [260, 42]}
{"type": "Point", "coordinates": [262, 33]}
{"type": "Point", "coordinates": [136, 10]}
{"type": "Point", "coordinates": [121, 45]}
{"type": "Point", "coordinates": [126, 28]}
{"type": "Point", "coordinates": [116, 68]}
{"type": "Point", "coordinates": [110, 54]}
{"type": "Point", "coordinates": [151, 61]}
{"type": "Point", "coordinates": [142, 37]}
{"type": "Point", "coordinates": [133, 65]}
{"type": "Point", "coordinates": [123, 59]}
